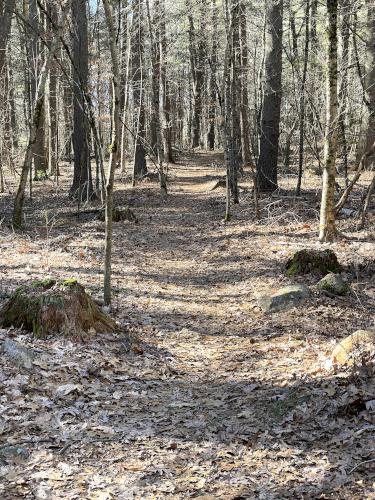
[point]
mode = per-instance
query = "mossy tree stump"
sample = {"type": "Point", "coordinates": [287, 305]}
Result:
{"type": "Point", "coordinates": [307, 261]}
{"type": "Point", "coordinates": [51, 306]}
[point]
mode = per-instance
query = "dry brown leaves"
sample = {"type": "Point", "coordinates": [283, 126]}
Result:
{"type": "Point", "coordinates": [210, 399]}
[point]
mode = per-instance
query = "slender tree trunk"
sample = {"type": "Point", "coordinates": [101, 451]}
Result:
{"type": "Point", "coordinates": [370, 75]}
{"type": "Point", "coordinates": [245, 128]}
{"type": "Point", "coordinates": [301, 144]}
{"type": "Point", "coordinates": [196, 49]}
{"type": "Point", "coordinates": [39, 147]}
{"type": "Point", "coordinates": [166, 115]}
{"type": "Point", "coordinates": [138, 82]}
{"type": "Point", "coordinates": [114, 150]}
{"type": "Point", "coordinates": [53, 108]}
{"type": "Point", "coordinates": [154, 29]}
{"type": "Point", "coordinates": [270, 120]}
{"type": "Point", "coordinates": [213, 79]}
{"type": "Point", "coordinates": [343, 90]}
{"type": "Point", "coordinates": [12, 104]}
{"type": "Point", "coordinates": [6, 13]}
{"type": "Point", "coordinates": [327, 227]}
{"type": "Point", "coordinates": [20, 196]}
{"type": "Point", "coordinates": [124, 72]}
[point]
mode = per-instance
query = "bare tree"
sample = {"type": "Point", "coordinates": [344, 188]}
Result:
{"type": "Point", "coordinates": [327, 226]}
{"type": "Point", "coordinates": [114, 149]}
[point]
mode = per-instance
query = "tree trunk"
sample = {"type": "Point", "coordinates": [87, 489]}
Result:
{"type": "Point", "coordinates": [154, 29]}
{"type": "Point", "coordinates": [138, 82]}
{"type": "Point", "coordinates": [196, 50]}
{"type": "Point", "coordinates": [370, 76]}
{"type": "Point", "coordinates": [53, 109]}
{"type": "Point", "coordinates": [81, 188]}
{"type": "Point", "coordinates": [6, 13]}
{"type": "Point", "coordinates": [114, 149]}
{"type": "Point", "coordinates": [124, 73]}
{"type": "Point", "coordinates": [302, 99]}
{"type": "Point", "coordinates": [327, 227]}
{"type": "Point", "coordinates": [270, 119]}
{"type": "Point", "coordinates": [245, 128]}
{"type": "Point", "coordinates": [165, 98]}
{"type": "Point", "coordinates": [213, 80]}
{"type": "Point", "coordinates": [39, 146]}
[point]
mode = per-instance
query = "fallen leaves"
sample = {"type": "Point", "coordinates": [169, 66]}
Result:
{"type": "Point", "coordinates": [207, 399]}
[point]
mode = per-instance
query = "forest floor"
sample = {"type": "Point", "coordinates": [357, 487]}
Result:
{"type": "Point", "coordinates": [212, 399]}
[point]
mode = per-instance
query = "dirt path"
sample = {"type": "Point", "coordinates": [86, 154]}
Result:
{"type": "Point", "coordinates": [215, 400]}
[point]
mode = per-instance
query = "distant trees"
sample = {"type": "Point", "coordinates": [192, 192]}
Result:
{"type": "Point", "coordinates": [243, 78]}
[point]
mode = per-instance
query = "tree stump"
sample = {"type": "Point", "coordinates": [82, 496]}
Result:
{"type": "Point", "coordinates": [319, 262]}
{"type": "Point", "coordinates": [119, 215]}
{"type": "Point", "coordinates": [51, 306]}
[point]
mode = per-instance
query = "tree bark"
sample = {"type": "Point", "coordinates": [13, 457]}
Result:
{"type": "Point", "coordinates": [114, 149]}
{"type": "Point", "coordinates": [81, 188]}
{"type": "Point", "coordinates": [166, 116]}
{"type": "Point", "coordinates": [53, 108]}
{"type": "Point", "coordinates": [213, 79]}
{"type": "Point", "coordinates": [39, 147]}
{"type": "Point", "coordinates": [270, 119]}
{"type": "Point", "coordinates": [370, 76]}
{"type": "Point", "coordinates": [327, 226]}
{"type": "Point", "coordinates": [138, 82]}
{"type": "Point", "coordinates": [245, 128]}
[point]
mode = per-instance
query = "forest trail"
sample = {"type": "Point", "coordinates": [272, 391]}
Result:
{"type": "Point", "coordinates": [214, 399]}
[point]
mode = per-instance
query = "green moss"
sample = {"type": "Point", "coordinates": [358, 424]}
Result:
{"type": "Point", "coordinates": [69, 282]}
{"type": "Point", "coordinates": [46, 284]}
{"type": "Point", "coordinates": [313, 261]}
{"type": "Point", "coordinates": [40, 175]}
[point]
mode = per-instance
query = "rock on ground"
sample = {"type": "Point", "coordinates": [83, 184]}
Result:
{"type": "Point", "coordinates": [334, 284]}
{"type": "Point", "coordinates": [355, 349]}
{"type": "Point", "coordinates": [284, 298]}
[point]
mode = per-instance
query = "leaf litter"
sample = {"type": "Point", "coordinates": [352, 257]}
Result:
{"type": "Point", "coordinates": [200, 395]}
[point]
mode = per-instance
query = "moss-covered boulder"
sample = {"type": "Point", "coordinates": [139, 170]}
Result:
{"type": "Point", "coordinates": [307, 261]}
{"type": "Point", "coordinates": [54, 306]}
{"type": "Point", "coordinates": [333, 284]}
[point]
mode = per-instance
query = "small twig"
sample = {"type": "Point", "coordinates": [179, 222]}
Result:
{"type": "Point", "coordinates": [361, 463]}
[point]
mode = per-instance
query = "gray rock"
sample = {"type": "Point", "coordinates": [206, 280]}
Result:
{"type": "Point", "coordinates": [19, 354]}
{"type": "Point", "coordinates": [284, 298]}
{"type": "Point", "coordinates": [334, 284]}
{"type": "Point", "coordinates": [13, 453]}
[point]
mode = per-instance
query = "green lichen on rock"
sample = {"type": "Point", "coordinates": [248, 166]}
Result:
{"type": "Point", "coordinates": [313, 261]}
{"type": "Point", "coordinates": [55, 306]}
{"type": "Point", "coordinates": [333, 284]}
